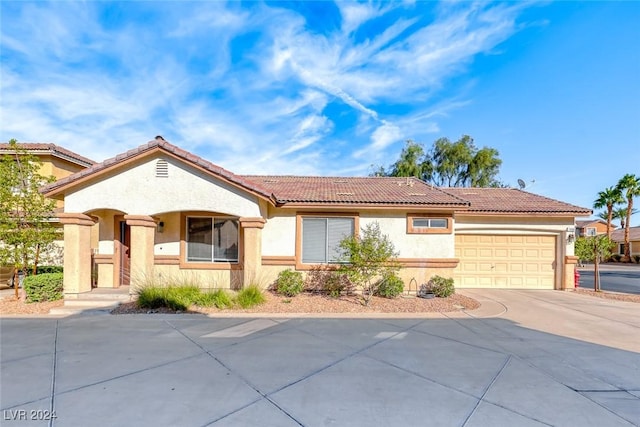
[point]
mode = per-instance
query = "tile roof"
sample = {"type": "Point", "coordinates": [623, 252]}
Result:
{"type": "Point", "coordinates": [584, 223]}
{"type": "Point", "coordinates": [52, 149]}
{"type": "Point", "coordinates": [513, 201]}
{"type": "Point", "coordinates": [618, 235]}
{"type": "Point", "coordinates": [170, 148]}
{"type": "Point", "coordinates": [336, 191]}
{"type": "Point", "coordinates": [355, 190]}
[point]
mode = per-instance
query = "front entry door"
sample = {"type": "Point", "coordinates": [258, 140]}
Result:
{"type": "Point", "coordinates": [124, 245]}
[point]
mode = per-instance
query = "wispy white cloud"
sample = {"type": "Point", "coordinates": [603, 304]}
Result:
{"type": "Point", "coordinates": [255, 89]}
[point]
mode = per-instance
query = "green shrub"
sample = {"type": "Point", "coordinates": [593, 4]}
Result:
{"type": "Point", "coordinates": [390, 286]}
{"type": "Point", "coordinates": [152, 297]}
{"type": "Point", "coordinates": [44, 287]}
{"type": "Point", "coordinates": [43, 269]}
{"type": "Point", "coordinates": [337, 284]}
{"type": "Point", "coordinates": [250, 296]}
{"type": "Point", "coordinates": [218, 298]}
{"type": "Point", "coordinates": [441, 287]}
{"type": "Point", "coordinates": [289, 283]}
{"type": "Point", "coordinates": [178, 298]}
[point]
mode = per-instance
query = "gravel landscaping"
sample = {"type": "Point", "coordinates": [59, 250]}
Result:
{"type": "Point", "coordinates": [308, 304]}
{"type": "Point", "coordinates": [316, 303]}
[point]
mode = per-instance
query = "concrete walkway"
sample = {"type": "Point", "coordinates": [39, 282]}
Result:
{"type": "Point", "coordinates": [526, 358]}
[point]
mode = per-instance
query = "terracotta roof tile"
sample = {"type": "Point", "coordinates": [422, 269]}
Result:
{"type": "Point", "coordinates": [511, 200]}
{"type": "Point", "coordinates": [52, 149]}
{"type": "Point", "coordinates": [355, 190]}
{"type": "Point", "coordinates": [618, 235]}
{"type": "Point", "coordinates": [185, 155]}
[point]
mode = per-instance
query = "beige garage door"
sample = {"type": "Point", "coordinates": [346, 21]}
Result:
{"type": "Point", "coordinates": [501, 261]}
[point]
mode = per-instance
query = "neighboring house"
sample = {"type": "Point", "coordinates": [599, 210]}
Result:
{"type": "Point", "coordinates": [56, 161]}
{"type": "Point", "coordinates": [634, 240]}
{"type": "Point", "coordinates": [164, 212]}
{"type": "Point", "coordinates": [591, 227]}
{"type": "Point", "coordinates": [59, 163]}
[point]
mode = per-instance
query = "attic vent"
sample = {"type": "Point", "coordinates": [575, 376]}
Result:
{"type": "Point", "coordinates": [270, 180]}
{"type": "Point", "coordinates": [340, 181]}
{"type": "Point", "coordinates": [417, 194]}
{"type": "Point", "coordinates": [344, 194]}
{"type": "Point", "coordinates": [162, 169]}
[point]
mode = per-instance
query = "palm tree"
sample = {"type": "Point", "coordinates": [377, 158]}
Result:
{"type": "Point", "coordinates": [608, 198]}
{"type": "Point", "coordinates": [629, 187]}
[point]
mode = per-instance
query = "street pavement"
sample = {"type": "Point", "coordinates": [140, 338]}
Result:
{"type": "Point", "coordinates": [525, 358]}
{"type": "Point", "coordinates": [614, 277]}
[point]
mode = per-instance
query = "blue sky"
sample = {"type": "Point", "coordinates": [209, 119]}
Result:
{"type": "Point", "coordinates": [321, 88]}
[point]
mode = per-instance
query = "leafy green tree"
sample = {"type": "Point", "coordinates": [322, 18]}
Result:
{"type": "Point", "coordinates": [608, 198]}
{"type": "Point", "coordinates": [410, 162]}
{"type": "Point", "coordinates": [446, 163]}
{"type": "Point", "coordinates": [25, 214]}
{"type": "Point", "coordinates": [368, 257]}
{"type": "Point", "coordinates": [596, 249]}
{"type": "Point", "coordinates": [629, 186]}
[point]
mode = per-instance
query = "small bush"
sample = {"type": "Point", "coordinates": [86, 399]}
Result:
{"type": "Point", "coordinates": [250, 296]}
{"type": "Point", "coordinates": [43, 269]}
{"type": "Point", "coordinates": [616, 257]}
{"type": "Point", "coordinates": [289, 283]}
{"type": "Point", "coordinates": [218, 298]}
{"type": "Point", "coordinates": [390, 286]}
{"type": "Point", "coordinates": [44, 287]}
{"type": "Point", "coordinates": [178, 298]}
{"type": "Point", "coordinates": [337, 284]}
{"type": "Point", "coordinates": [152, 297]}
{"type": "Point", "coordinates": [441, 287]}
{"type": "Point", "coordinates": [636, 258]}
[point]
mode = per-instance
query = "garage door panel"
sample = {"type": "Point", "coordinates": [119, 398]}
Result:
{"type": "Point", "coordinates": [505, 261]}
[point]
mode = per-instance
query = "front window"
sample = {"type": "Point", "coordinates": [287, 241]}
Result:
{"type": "Point", "coordinates": [429, 224]}
{"type": "Point", "coordinates": [591, 231]}
{"type": "Point", "coordinates": [321, 238]}
{"type": "Point", "coordinates": [211, 239]}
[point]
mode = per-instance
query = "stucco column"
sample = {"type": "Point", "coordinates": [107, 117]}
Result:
{"type": "Point", "coordinates": [77, 253]}
{"type": "Point", "coordinates": [143, 229]}
{"type": "Point", "coordinates": [252, 244]}
{"type": "Point", "coordinates": [568, 281]}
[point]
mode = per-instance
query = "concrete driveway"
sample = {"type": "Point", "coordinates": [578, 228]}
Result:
{"type": "Point", "coordinates": [526, 358]}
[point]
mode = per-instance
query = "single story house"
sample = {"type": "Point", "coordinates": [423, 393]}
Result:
{"type": "Point", "coordinates": [162, 212]}
{"type": "Point", "coordinates": [634, 240]}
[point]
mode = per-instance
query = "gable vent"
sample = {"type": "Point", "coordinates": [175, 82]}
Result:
{"type": "Point", "coordinates": [162, 169]}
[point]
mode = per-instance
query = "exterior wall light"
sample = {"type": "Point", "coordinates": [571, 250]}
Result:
{"type": "Point", "coordinates": [160, 227]}
{"type": "Point", "coordinates": [570, 238]}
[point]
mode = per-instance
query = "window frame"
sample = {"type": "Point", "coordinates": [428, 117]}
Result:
{"type": "Point", "coordinates": [413, 229]}
{"type": "Point", "coordinates": [212, 264]}
{"type": "Point", "coordinates": [591, 231]}
{"type": "Point", "coordinates": [300, 265]}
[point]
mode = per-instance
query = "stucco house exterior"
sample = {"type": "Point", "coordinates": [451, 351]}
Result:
{"type": "Point", "coordinates": [634, 240]}
{"type": "Point", "coordinates": [161, 211]}
{"type": "Point", "coordinates": [592, 227]}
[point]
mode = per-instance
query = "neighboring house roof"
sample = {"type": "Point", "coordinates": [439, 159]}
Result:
{"type": "Point", "coordinates": [588, 222]}
{"type": "Point", "coordinates": [513, 201]}
{"type": "Point", "coordinates": [618, 235]}
{"type": "Point", "coordinates": [355, 190]}
{"type": "Point", "coordinates": [50, 149]}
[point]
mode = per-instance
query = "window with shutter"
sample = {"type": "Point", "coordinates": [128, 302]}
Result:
{"type": "Point", "coordinates": [321, 238]}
